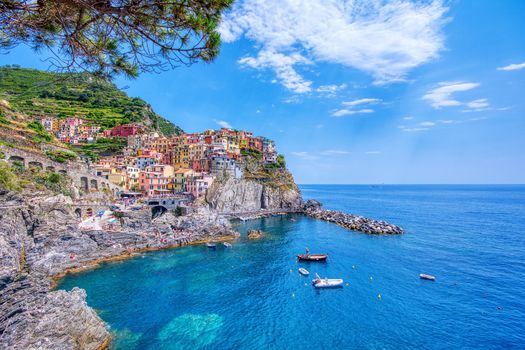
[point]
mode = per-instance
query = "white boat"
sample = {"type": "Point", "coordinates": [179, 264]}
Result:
{"type": "Point", "coordinates": [319, 282]}
{"type": "Point", "coordinates": [211, 245]}
{"type": "Point", "coordinates": [227, 245]}
{"type": "Point", "coordinates": [303, 271]}
{"type": "Point", "coordinates": [424, 276]}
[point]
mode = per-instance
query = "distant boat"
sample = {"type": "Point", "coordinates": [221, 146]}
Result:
{"type": "Point", "coordinates": [227, 245]}
{"type": "Point", "coordinates": [211, 245]}
{"type": "Point", "coordinates": [427, 277]}
{"type": "Point", "coordinates": [312, 257]}
{"type": "Point", "coordinates": [319, 282]}
{"type": "Point", "coordinates": [303, 271]}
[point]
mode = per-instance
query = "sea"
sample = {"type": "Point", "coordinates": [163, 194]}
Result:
{"type": "Point", "coordinates": [251, 296]}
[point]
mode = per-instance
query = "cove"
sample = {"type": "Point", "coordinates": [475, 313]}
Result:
{"type": "Point", "coordinates": [252, 297]}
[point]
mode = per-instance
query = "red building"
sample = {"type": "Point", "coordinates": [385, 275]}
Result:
{"type": "Point", "coordinates": [123, 130]}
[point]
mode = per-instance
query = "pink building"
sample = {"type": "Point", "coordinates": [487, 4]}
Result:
{"type": "Point", "coordinates": [198, 185]}
{"type": "Point", "coordinates": [123, 130]}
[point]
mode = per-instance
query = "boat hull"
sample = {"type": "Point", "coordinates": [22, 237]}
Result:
{"type": "Point", "coordinates": [328, 283]}
{"type": "Point", "coordinates": [427, 277]}
{"type": "Point", "coordinates": [312, 257]}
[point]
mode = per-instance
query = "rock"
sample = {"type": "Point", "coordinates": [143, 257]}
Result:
{"type": "Point", "coordinates": [255, 234]}
{"type": "Point", "coordinates": [313, 209]}
{"type": "Point", "coordinates": [241, 196]}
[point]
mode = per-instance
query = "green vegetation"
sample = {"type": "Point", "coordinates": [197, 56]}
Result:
{"type": "Point", "coordinates": [251, 153]}
{"type": "Point", "coordinates": [16, 177]}
{"type": "Point", "coordinates": [61, 156]}
{"type": "Point", "coordinates": [41, 134]}
{"type": "Point", "coordinates": [3, 119]}
{"type": "Point", "coordinates": [54, 182]}
{"type": "Point", "coordinates": [37, 93]}
{"type": "Point", "coordinates": [8, 178]}
{"type": "Point", "coordinates": [104, 146]}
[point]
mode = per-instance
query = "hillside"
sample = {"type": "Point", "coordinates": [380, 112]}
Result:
{"type": "Point", "coordinates": [35, 94]}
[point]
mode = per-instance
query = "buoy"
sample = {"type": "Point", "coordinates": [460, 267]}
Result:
{"type": "Point", "coordinates": [347, 283]}
{"type": "Point", "coordinates": [379, 296]}
{"type": "Point", "coordinates": [353, 266]}
{"type": "Point", "coordinates": [293, 295]}
{"type": "Point", "coordinates": [291, 270]}
{"type": "Point", "coordinates": [306, 284]}
{"type": "Point", "coordinates": [371, 279]}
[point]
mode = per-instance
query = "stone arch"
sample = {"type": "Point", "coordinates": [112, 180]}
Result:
{"type": "Point", "coordinates": [84, 183]}
{"type": "Point", "coordinates": [78, 212]}
{"type": "Point", "coordinates": [93, 184]}
{"type": "Point", "coordinates": [157, 211]}
{"type": "Point", "coordinates": [34, 164]}
{"type": "Point", "coordinates": [50, 168]}
{"type": "Point", "coordinates": [17, 159]}
{"type": "Point", "coordinates": [89, 211]}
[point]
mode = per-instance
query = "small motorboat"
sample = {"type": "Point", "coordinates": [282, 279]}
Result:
{"type": "Point", "coordinates": [303, 271]}
{"type": "Point", "coordinates": [312, 257]}
{"type": "Point", "coordinates": [424, 276]}
{"type": "Point", "coordinates": [227, 245]}
{"type": "Point", "coordinates": [211, 245]}
{"type": "Point", "coordinates": [319, 282]}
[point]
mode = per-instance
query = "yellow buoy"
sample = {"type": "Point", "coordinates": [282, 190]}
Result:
{"type": "Point", "coordinates": [291, 270]}
{"type": "Point", "coordinates": [379, 296]}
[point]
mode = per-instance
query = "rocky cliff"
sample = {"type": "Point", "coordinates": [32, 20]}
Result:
{"type": "Point", "coordinates": [40, 238]}
{"type": "Point", "coordinates": [246, 196]}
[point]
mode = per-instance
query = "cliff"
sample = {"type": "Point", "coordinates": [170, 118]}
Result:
{"type": "Point", "coordinates": [40, 239]}
{"type": "Point", "coordinates": [238, 196]}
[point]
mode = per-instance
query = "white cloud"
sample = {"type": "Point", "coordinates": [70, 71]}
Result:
{"type": "Point", "coordinates": [384, 39]}
{"type": "Point", "coordinates": [224, 124]}
{"type": "Point", "coordinates": [373, 152]}
{"type": "Point", "coordinates": [319, 126]}
{"type": "Point", "coordinates": [448, 121]}
{"type": "Point", "coordinates": [361, 101]}
{"type": "Point", "coordinates": [442, 95]}
{"type": "Point", "coordinates": [333, 152]}
{"type": "Point", "coordinates": [477, 105]}
{"type": "Point", "coordinates": [408, 118]}
{"type": "Point", "coordinates": [427, 124]}
{"type": "Point", "coordinates": [303, 155]}
{"type": "Point", "coordinates": [414, 129]}
{"type": "Point", "coordinates": [345, 112]}
{"type": "Point", "coordinates": [514, 66]}
{"type": "Point", "coordinates": [258, 111]}
{"type": "Point", "coordinates": [330, 90]}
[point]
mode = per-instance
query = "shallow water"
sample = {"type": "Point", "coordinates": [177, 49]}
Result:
{"type": "Point", "coordinates": [252, 297]}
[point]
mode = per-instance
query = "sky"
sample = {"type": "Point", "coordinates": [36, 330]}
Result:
{"type": "Point", "coordinates": [360, 92]}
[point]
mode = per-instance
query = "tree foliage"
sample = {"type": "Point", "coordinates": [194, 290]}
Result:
{"type": "Point", "coordinates": [111, 37]}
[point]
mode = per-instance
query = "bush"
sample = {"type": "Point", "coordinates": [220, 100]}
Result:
{"type": "Point", "coordinates": [8, 178]}
{"type": "Point", "coordinates": [55, 182]}
{"type": "Point", "coordinates": [281, 161]}
{"type": "Point", "coordinates": [41, 134]}
{"type": "Point", "coordinates": [61, 156]}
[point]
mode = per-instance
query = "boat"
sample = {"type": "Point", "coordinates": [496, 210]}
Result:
{"type": "Point", "coordinates": [319, 282]}
{"type": "Point", "coordinates": [312, 257]}
{"type": "Point", "coordinates": [303, 271]}
{"type": "Point", "coordinates": [424, 276]}
{"type": "Point", "coordinates": [227, 245]}
{"type": "Point", "coordinates": [211, 245]}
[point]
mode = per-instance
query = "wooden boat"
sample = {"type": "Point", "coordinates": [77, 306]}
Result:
{"type": "Point", "coordinates": [303, 271]}
{"type": "Point", "coordinates": [227, 245]}
{"type": "Point", "coordinates": [319, 282]}
{"type": "Point", "coordinates": [211, 245]}
{"type": "Point", "coordinates": [312, 257]}
{"type": "Point", "coordinates": [424, 276]}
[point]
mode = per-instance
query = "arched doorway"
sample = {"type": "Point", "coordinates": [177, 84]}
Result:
{"type": "Point", "coordinates": [35, 165]}
{"type": "Point", "coordinates": [157, 211]}
{"type": "Point", "coordinates": [84, 183]}
{"type": "Point", "coordinates": [94, 184]}
{"type": "Point", "coordinates": [78, 212]}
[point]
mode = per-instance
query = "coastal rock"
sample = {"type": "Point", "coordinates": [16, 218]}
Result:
{"type": "Point", "coordinates": [231, 195]}
{"type": "Point", "coordinates": [313, 209]}
{"type": "Point", "coordinates": [255, 234]}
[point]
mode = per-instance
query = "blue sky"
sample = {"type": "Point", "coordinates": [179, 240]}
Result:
{"type": "Point", "coordinates": [397, 92]}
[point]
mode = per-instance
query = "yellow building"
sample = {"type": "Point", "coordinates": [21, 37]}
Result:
{"type": "Point", "coordinates": [180, 178]}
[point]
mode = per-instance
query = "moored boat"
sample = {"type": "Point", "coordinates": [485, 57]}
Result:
{"type": "Point", "coordinates": [211, 245]}
{"type": "Point", "coordinates": [319, 282]}
{"type": "Point", "coordinates": [304, 271]}
{"type": "Point", "coordinates": [227, 245]}
{"type": "Point", "coordinates": [424, 276]}
{"type": "Point", "coordinates": [312, 257]}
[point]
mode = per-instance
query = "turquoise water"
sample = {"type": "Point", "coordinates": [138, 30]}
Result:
{"type": "Point", "coordinates": [252, 297]}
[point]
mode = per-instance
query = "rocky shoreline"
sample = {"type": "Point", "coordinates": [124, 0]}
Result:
{"type": "Point", "coordinates": [41, 242]}
{"type": "Point", "coordinates": [312, 208]}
